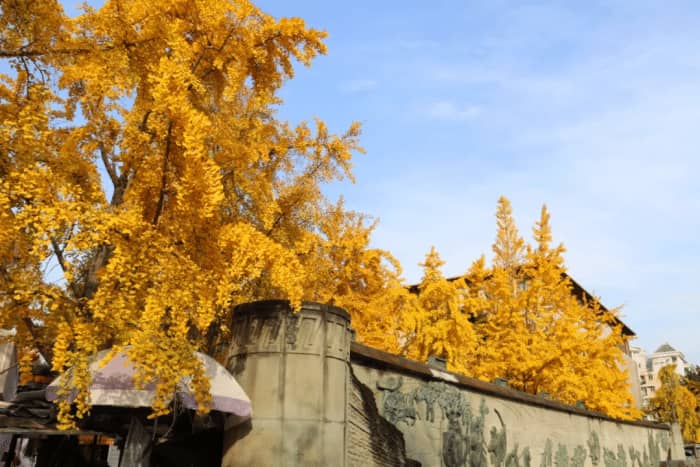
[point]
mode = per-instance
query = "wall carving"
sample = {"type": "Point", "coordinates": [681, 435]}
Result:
{"type": "Point", "coordinates": [547, 454]}
{"type": "Point", "coordinates": [515, 459]}
{"type": "Point", "coordinates": [323, 400]}
{"type": "Point", "coordinates": [561, 458]}
{"type": "Point", "coordinates": [498, 443]}
{"type": "Point", "coordinates": [291, 329]}
{"type": "Point", "coordinates": [649, 457]}
{"type": "Point", "coordinates": [396, 406]}
{"type": "Point", "coordinates": [615, 460]}
{"type": "Point", "coordinates": [594, 447]}
{"type": "Point", "coordinates": [465, 442]}
{"type": "Point", "coordinates": [579, 457]}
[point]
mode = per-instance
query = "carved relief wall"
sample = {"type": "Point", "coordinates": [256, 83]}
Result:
{"type": "Point", "coordinates": [447, 425]}
{"type": "Point", "coordinates": [320, 399]}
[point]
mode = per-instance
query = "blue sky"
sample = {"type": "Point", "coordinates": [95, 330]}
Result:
{"type": "Point", "coordinates": [591, 107]}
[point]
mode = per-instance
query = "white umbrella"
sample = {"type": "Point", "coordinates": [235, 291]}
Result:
{"type": "Point", "coordinates": [113, 385]}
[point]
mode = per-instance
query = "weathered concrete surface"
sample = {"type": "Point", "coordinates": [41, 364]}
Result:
{"type": "Point", "coordinates": [321, 400]}
{"type": "Point", "coordinates": [451, 420]}
{"type": "Point", "coordinates": [294, 368]}
{"type": "Point", "coordinates": [372, 440]}
{"type": "Point", "coordinates": [633, 379]}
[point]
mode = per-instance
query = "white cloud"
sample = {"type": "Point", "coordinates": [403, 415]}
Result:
{"type": "Point", "coordinates": [449, 111]}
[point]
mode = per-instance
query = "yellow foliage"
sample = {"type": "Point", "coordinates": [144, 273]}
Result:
{"type": "Point", "coordinates": [675, 402]}
{"type": "Point", "coordinates": [344, 271]}
{"type": "Point", "coordinates": [26, 359]}
{"type": "Point", "coordinates": [509, 246]}
{"type": "Point", "coordinates": [520, 320]}
{"type": "Point", "coordinates": [536, 333]}
{"type": "Point", "coordinates": [146, 187]}
{"type": "Point", "coordinates": [438, 322]}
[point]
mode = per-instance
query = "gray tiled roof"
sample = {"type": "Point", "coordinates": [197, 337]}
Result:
{"type": "Point", "coordinates": [665, 347]}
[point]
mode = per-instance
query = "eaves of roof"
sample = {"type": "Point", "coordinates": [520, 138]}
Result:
{"type": "Point", "coordinates": [578, 291]}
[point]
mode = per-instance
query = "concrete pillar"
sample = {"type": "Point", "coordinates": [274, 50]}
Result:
{"type": "Point", "coordinates": [676, 449]}
{"type": "Point", "coordinates": [294, 368]}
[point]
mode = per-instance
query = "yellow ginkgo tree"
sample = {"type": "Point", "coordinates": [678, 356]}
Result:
{"type": "Point", "coordinates": [541, 336]}
{"type": "Point", "coordinates": [521, 320]}
{"type": "Point", "coordinates": [147, 186]}
{"type": "Point", "coordinates": [674, 402]}
{"type": "Point", "coordinates": [436, 322]}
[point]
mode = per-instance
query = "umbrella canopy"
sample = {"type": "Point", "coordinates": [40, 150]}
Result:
{"type": "Point", "coordinates": [113, 385]}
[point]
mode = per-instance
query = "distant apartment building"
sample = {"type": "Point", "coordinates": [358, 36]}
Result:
{"type": "Point", "coordinates": [648, 367]}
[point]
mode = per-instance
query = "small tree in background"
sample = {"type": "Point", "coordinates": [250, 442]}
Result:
{"type": "Point", "coordinates": [674, 402]}
{"type": "Point", "coordinates": [438, 323]}
{"type": "Point", "coordinates": [538, 334]}
{"type": "Point", "coordinates": [520, 320]}
{"type": "Point", "coordinates": [692, 381]}
{"type": "Point", "coordinates": [502, 325]}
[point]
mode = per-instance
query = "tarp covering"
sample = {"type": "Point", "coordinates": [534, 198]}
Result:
{"type": "Point", "coordinates": [113, 385]}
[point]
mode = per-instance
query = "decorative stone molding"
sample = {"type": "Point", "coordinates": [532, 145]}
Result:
{"type": "Point", "coordinates": [294, 366]}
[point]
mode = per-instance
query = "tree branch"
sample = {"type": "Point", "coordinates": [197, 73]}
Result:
{"type": "Point", "coordinates": [111, 170]}
{"type": "Point", "coordinates": [164, 176]}
{"type": "Point", "coordinates": [26, 52]}
{"type": "Point", "coordinates": [44, 350]}
{"type": "Point", "coordinates": [120, 189]}
{"type": "Point", "coordinates": [310, 173]}
{"type": "Point", "coordinates": [64, 266]}
{"type": "Point", "coordinates": [102, 254]}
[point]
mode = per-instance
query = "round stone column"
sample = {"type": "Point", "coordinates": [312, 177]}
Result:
{"type": "Point", "coordinates": [294, 368]}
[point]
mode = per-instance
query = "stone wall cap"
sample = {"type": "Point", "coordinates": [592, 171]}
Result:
{"type": "Point", "coordinates": [383, 360]}
{"type": "Point", "coordinates": [266, 306]}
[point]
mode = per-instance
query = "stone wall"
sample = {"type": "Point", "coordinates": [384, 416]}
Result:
{"type": "Point", "coordinates": [634, 381]}
{"type": "Point", "coordinates": [320, 399]}
{"type": "Point", "coordinates": [372, 440]}
{"type": "Point", "coordinates": [454, 421]}
{"type": "Point", "coordinates": [294, 368]}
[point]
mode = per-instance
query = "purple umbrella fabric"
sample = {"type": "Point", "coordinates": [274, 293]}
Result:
{"type": "Point", "coordinates": [113, 385]}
